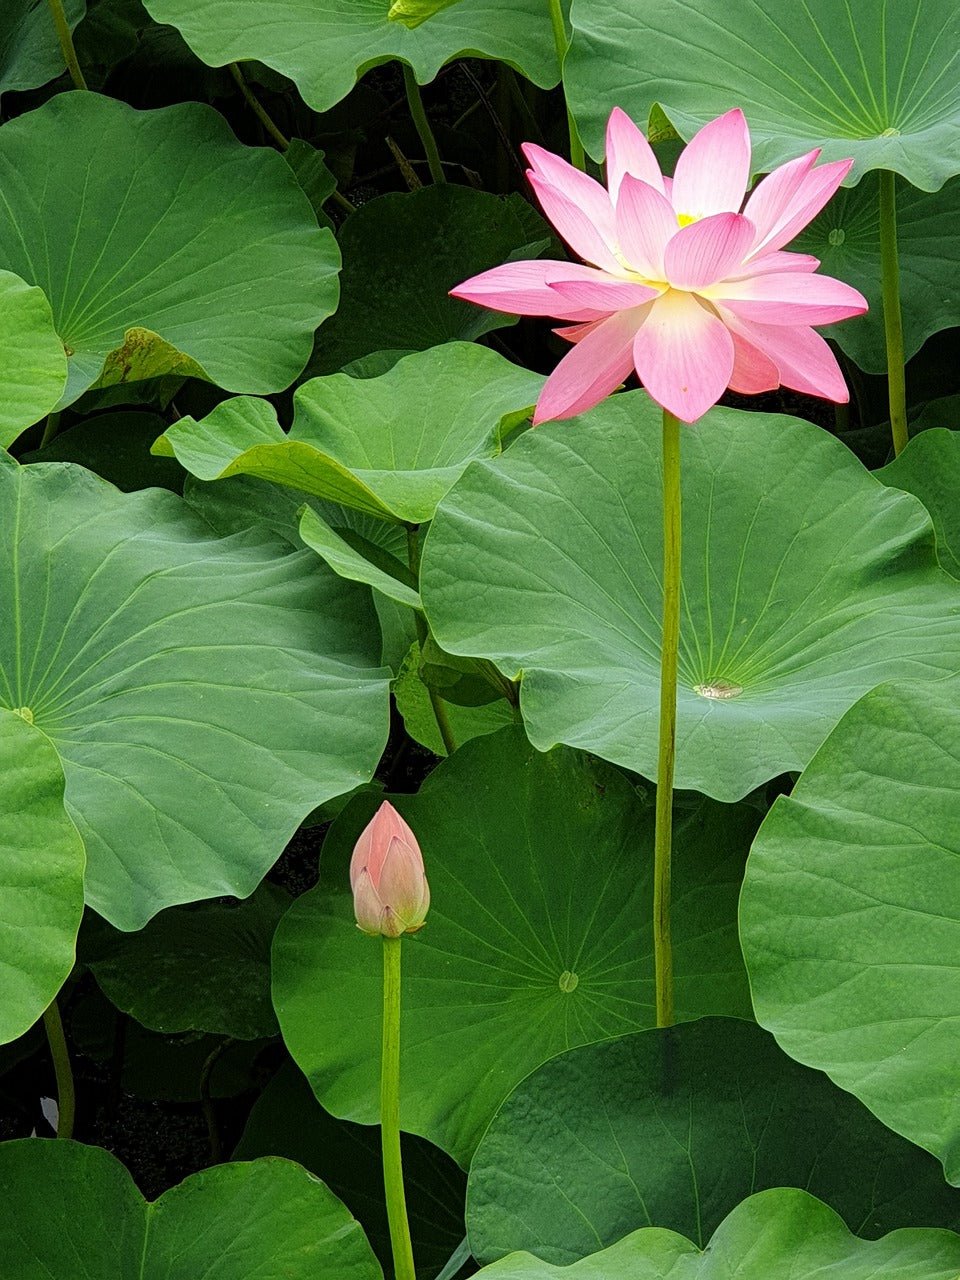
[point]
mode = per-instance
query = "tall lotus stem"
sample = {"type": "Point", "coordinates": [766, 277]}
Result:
{"type": "Point", "coordinates": [663, 833]}
{"type": "Point", "coordinates": [577, 155]}
{"type": "Point", "coordinates": [66, 43]}
{"type": "Point", "coordinates": [400, 1242]}
{"type": "Point", "coordinates": [892, 318]}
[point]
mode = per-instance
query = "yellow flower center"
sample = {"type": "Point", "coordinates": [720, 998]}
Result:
{"type": "Point", "coordinates": [685, 219]}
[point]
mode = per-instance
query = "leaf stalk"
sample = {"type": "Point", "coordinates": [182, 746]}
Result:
{"type": "Point", "coordinates": [66, 1092]}
{"type": "Point", "coordinates": [422, 124]}
{"type": "Point", "coordinates": [65, 36]}
{"type": "Point", "coordinates": [577, 154]}
{"type": "Point", "coordinates": [892, 316]}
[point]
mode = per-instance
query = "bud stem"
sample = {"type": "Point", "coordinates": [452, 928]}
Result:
{"type": "Point", "coordinates": [390, 1115]}
{"type": "Point", "coordinates": [663, 836]}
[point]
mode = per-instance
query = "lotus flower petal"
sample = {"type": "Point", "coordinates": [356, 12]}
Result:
{"type": "Point", "coordinates": [629, 152]}
{"type": "Point", "coordinates": [706, 251]}
{"type": "Point", "coordinates": [598, 363]}
{"type": "Point", "coordinates": [713, 169]}
{"type": "Point", "coordinates": [684, 355]}
{"type": "Point", "coordinates": [645, 223]}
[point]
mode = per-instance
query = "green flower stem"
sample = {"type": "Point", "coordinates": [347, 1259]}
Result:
{"type": "Point", "coordinates": [577, 154]}
{"type": "Point", "coordinates": [66, 43]}
{"type": "Point", "coordinates": [415, 102]}
{"type": "Point", "coordinates": [258, 109]}
{"type": "Point", "coordinates": [390, 1115]}
{"type": "Point", "coordinates": [436, 702]}
{"type": "Point", "coordinates": [66, 1094]}
{"type": "Point", "coordinates": [663, 835]}
{"type": "Point", "coordinates": [892, 319]}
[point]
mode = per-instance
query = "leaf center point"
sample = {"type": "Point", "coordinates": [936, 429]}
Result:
{"type": "Point", "coordinates": [718, 689]}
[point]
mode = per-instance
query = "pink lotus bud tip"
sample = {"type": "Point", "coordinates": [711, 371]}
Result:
{"type": "Point", "coordinates": [390, 891]}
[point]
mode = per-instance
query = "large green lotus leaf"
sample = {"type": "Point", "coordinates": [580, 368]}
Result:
{"type": "Point", "coordinates": [673, 1129]}
{"type": "Point", "coordinates": [243, 501]}
{"type": "Point", "coordinates": [72, 1212]}
{"type": "Point", "coordinates": [846, 238]}
{"type": "Point", "coordinates": [538, 939]}
{"type": "Point", "coordinates": [325, 48]}
{"type": "Point", "coordinates": [165, 246]}
{"type": "Point", "coordinates": [203, 694]}
{"type": "Point", "coordinates": [30, 53]}
{"type": "Point", "coordinates": [33, 364]}
{"type": "Point", "coordinates": [389, 446]}
{"type": "Point", "coordinates": [286, 1120]}
{"type": "Point", "coordinates": [197, 968]}
{"type": "Point", "coordinates": [423, 244]}
{"type": "Point", "coordinates": [850, 917]}
{"type": "Point", "coordinates": [548, 562]}
{"type": "Point", "coordinates": [875, 80]}
{"type": "Point", "coordinates": [781, 1234]}
{"type": "Point", "coordinates": [930, 468]}
{"type": "Point", "coordinates": [41, 876]}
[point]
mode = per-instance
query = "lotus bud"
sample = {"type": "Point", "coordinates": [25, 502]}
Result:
{"type": "Point", "coordinates": [390, 891]}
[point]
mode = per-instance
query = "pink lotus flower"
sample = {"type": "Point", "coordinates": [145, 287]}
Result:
{"type": "Point", "coordinates": [694, 294]}
{"type": "Point", "coordinates": [390, 891]}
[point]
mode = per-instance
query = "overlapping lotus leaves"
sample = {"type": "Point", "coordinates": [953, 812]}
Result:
{"type": "Point", "coordinates": [357, 546]}
{"type": "Point", "coordinates": [877, 84]}
{"type": "Point", "coordinates": [850, 917]}
{"type": "Point", "coordinates": [286, 1120]}
{"type": "Point", "coordinates": [930, 468]}
{"type": "Point", "coordinates": [412, 696]}
{"type": "Point", "coordinates": [164, 245]}
{"type": "Point", "coordinates": [325, 48]}
{"type": "Point", "coordinates": [351, 563]}
{"type": "Point", "coordinates": [805, 584]}
{"type": "Point", "coordinates": [782, 1232]}
{"type": "Point", "coordinates": [846, 239]}
{"type": "Point", "coordinates": [115, 445]}
{"type": "Point", "coordinates": [268, 1217]}
{"type": "Point", "coordinates": [205, 693]}
{"type": "Point", "coordinates": [33, 364]}
{"type": "Point", "coordinates": [390, 446]}
{"type": "Point", "coordinates": [41, 875]}
{"type": "Point", "coordinates": [422, 244]}
{"type": "Point", "coordinates": [204, 967]}
{"type": "Point", "coordinates": [30, 53]}
{"type": "Point", "coordinates": [674, 1128]}
{"type": "Point", "coordinates": [538, 937]}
